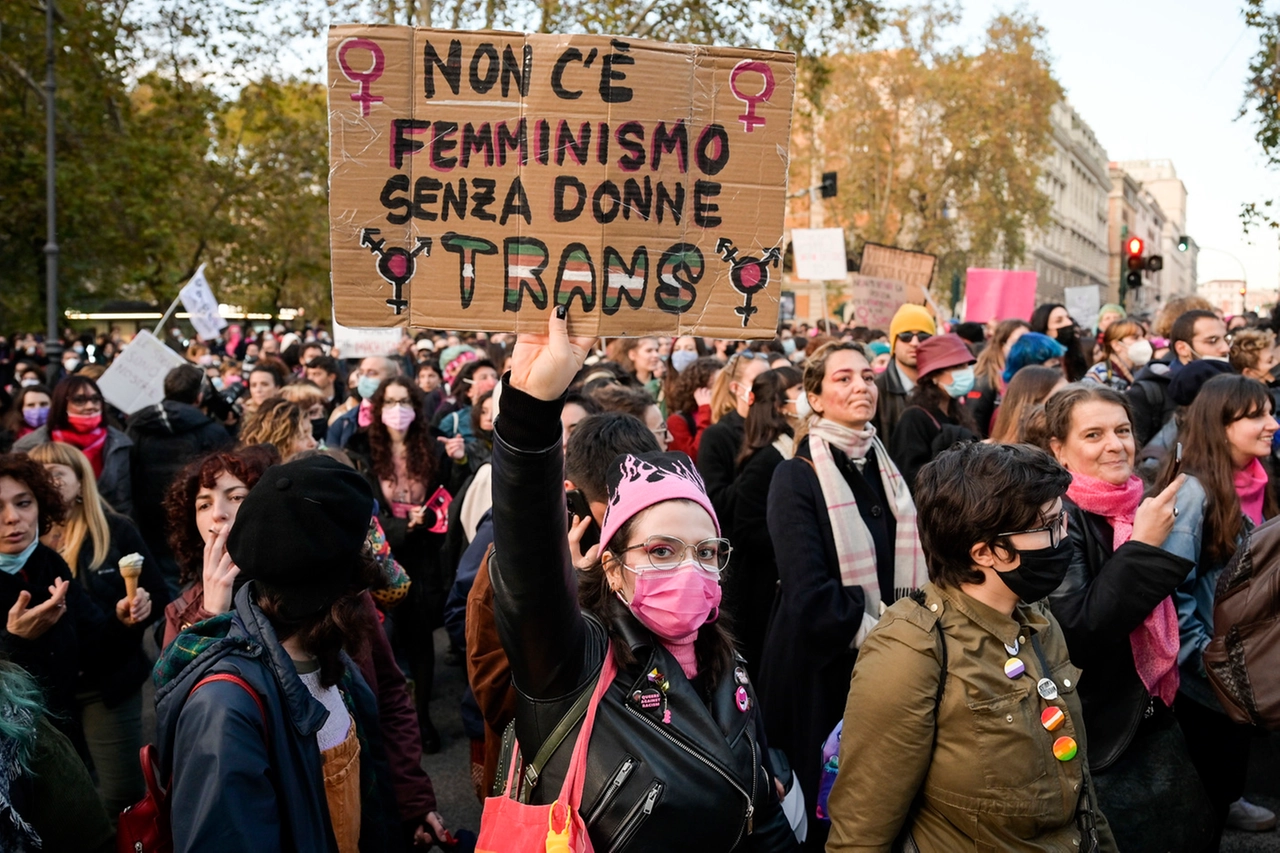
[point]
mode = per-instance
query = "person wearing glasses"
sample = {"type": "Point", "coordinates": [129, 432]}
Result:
{"type": "Point", "coordinates": [1121, 625]}
{"type": "Point", "coordinates": [911, 326]}
{"type": "Point", "coordinates": [963, 728]}
{"type": "Point", "coordinates": [675, 759]}
{"type": "Point", "coordinates": [77, 417]}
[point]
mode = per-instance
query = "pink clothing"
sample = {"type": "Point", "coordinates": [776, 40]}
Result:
{"type": "Point", "coordinates": [1251, 486]}
{"type": "Point", "coordinates": [1156, 641]}
{"type": "Point", "coordinates": [644, 484]}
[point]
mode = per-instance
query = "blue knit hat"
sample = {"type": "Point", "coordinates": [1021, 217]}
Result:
{"type": "Point", "coordinates": [1031, 348]}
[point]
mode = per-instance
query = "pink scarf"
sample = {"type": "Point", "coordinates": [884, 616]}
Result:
{"type": "Point", "coordinates": [1155, 642]}
{"type": "Point", "coordinates": [365, 416]}
{"type": "Point", "coordinates": [1251, 487]}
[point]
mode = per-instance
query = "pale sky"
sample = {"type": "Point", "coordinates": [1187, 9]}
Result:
{"type": "Point", "coordinates": [1164, 79]}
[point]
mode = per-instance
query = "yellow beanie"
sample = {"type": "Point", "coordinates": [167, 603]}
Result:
{"type": "Point", "coordinates": [911, 318]}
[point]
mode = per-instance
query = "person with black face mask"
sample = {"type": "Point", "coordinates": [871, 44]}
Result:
{"type": "Point", "coordinates": [1053, 320]}
{"type": "Point", "coordinates": [963, 725]}
{"type": "Point", "coordinates": [1121, 624]}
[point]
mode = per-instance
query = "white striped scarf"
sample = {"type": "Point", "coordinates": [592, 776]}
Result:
{"type": "Point", "coordinates": [854, 546]}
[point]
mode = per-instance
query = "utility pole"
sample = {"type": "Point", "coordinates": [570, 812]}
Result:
{"type": "Point", "coordinates": [51, 195]}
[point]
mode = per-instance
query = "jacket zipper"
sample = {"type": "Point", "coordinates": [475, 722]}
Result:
{"type": "Point", "coordinates": [751, 807]}
{"type": "Point", "coordinates": [756, 769]}
{"type": "Point", "coordinates": [636, 817]}
{"type": "Point", "coordinates": [606, 798]}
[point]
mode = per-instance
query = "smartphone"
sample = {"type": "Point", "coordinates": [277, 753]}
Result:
{"type": "Point", "coordinates": [1177, 459]}
{"type": "Point", "coordinates": [578, 506]}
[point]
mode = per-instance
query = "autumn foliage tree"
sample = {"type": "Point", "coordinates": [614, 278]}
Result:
{"type": "Point", "coordinates": [939, 149]}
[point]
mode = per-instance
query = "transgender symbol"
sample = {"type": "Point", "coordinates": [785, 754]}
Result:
{"type": "Point", "coordinates": [395, 264]}
{"type": "Point", "coordinates": [749, 119]}
{"type": "Point", "coordinates": [748, 275]}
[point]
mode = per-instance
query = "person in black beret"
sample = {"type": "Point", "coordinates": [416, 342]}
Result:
{"type": "Point", "coordinates": [1184, 385]}
{"type": "Point", "coordinates": [266, 726]}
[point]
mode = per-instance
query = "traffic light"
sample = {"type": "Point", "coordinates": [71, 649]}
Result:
{"type": "Point", "coordinates": [1155, 263]}
{"type": "Point", "coordinates": [1184, 243]}
{"type": "Point", "coordinates": [828, 186]}
{"type": "Point", "coordinates": [1133, 250]}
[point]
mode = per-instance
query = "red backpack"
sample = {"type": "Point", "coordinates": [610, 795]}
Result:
{"type": "Point", "coordinates": [144, 826]}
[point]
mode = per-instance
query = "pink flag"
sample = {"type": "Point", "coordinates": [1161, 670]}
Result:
{"type": "Point", "coordinates": [999, 294]}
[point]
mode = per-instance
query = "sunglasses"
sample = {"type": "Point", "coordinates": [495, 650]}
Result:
{"type": "Point", "coordinates": [84, 399]}
{"type": "Point", "coordinates": [906, 337]}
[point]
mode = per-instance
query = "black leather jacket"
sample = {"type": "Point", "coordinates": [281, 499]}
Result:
{"type": "Point", "coordinates": [1104, 597]}
{"type": "Point", "coordinates": [700, 782]}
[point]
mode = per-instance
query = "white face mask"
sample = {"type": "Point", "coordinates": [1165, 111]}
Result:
{"type": "Point", "coordinates": [1140, 352]}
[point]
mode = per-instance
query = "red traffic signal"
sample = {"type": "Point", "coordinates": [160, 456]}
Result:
{"type": "Point", "coordinates": [1134, 246]}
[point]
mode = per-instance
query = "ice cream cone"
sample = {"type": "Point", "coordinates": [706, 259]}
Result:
{"type": "Point", "coordinates": [131, 570]}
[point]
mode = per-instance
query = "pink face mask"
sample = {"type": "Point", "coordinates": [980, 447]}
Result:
{"type": "Point", "coordinates": [398, 417]}
{"type": "Point", "coordinates": [675, 603]}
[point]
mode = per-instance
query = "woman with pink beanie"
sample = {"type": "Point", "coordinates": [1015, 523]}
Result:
{"type": "Point", "coordinates": [674, 759]}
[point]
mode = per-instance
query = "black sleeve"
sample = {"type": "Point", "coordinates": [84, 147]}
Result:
{"type": "Point", "coordinates": [717, 454]}
{"type": "Point", "coordinates": [1143, 416]}
{"type": "Point", "coordinates": [1097, 611]}
{"type": "Point", "coordinates": [130, 541]}
{"type": "Point", "coordinates": [911, 445]}
{"type": "Point", "coordinates": [535, 591]}
{"type": "Point", "coordinates": [983, 408]}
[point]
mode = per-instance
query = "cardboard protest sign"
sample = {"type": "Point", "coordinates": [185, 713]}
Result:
{"type": "Point", "coordinates": [999, 294]}
{"type": "Point", "coordinates": [819, 254]}
{"type": "Point", "coordinates": [875, 300]}
{"type": "Point", "coordinates": [913, 269]}
{"type": "Point", "coordinates": [202, 306]}
{"type": "Point", "coordinates": [1083, 304]}
{"type": "Point", "coordinates": [363, 343]}
{"type": "Point", "coordinates": [135, 379]}
{"type": "Point", "coordinates": [479, 179]}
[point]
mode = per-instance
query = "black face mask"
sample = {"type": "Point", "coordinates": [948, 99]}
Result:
{"type": "Point", "coordinates": [1040, 573]}
{"type": "Point", "coordinates": [1067, 335]}
{"type": "Point", "coordinates": [319, 428]}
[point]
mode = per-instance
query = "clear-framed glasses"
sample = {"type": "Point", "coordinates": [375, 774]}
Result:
{"type": "Point", "coordinates": [402, 404]}
{"type": "Point", "coordinates": [667, 552]}
{"type": "Point", "coordinates": [1057, 530]}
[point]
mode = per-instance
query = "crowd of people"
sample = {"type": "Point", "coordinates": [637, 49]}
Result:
{"type": "Point", "coordinates": [943, 586]}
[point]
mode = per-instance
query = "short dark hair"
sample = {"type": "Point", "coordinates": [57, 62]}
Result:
{"type": "Point", "coordinates": [182, 384]}
{"type": "Point", "coordinates": [973, 493]}
{"type": "Point", "coordinates": [629, 401]}
{"type": "Point", "coordinates": [62, 393]}
{"type": "Point", "coordinates": [30, 473]}
{"type": "Point", "coordinates": [596, 442]}
{"type": "Point", "coordinates": [582, 401]}
{"type": "Point", "coordinates": [1184, 328]}
{"type": "Point", "coordinates": [327, 363]}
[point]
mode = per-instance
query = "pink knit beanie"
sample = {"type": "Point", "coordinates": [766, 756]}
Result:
{"type": "Point", "coordinates": [638, 482]}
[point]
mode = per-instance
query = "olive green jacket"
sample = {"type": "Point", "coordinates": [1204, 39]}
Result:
{"type": "Point", "coordinates": [991, 781]}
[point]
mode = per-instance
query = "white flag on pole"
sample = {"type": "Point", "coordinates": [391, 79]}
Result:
{"type": "Point", "coordinates": [197, 297]}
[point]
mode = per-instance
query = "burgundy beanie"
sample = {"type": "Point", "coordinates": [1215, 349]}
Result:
{"type": "Point", "coordinates": [638, 482]}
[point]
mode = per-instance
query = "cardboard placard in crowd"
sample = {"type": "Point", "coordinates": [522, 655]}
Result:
{"type": "Point", "coordinates": [1083, 304]}
{"type": "Point", "coordinates": [819, 254]}
{"type": "Point", "coordinates": [913, 269]}
{"type": "Point", "coordinates": [364, 343]}
{"type": "Point", "coordinates": [999, 294]}
{"type": "Point", "coordinates": [135, 378]}
{"type": "Point", "coordinates": [875, 300]}
{"type": "Point", "coordinates": [479, 179]}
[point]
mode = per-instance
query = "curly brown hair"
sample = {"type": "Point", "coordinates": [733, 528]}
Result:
{"type": "Point", "coordinates": [247, 465]}
{"type": "Point", "coordinates": [700, 374]}
{"type": "Point", "coordinates": [30, 473]}
{"type": "Point", "coordinates": [418, 440]}
{"type": "Point", "coordinates": [277, 421]}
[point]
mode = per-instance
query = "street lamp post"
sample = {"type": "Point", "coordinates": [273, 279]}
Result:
{"type": "Point", "coordinates": [51, 224]}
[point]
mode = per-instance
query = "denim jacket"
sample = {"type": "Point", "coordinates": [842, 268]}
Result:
{"type": "Point", "coordinates": [1194, 598]}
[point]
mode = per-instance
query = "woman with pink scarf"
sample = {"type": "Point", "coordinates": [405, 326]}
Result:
{"type": "Point", "coordinates": [1117, 612]}
{"type": "Point", "coordinates": [1225, 433]}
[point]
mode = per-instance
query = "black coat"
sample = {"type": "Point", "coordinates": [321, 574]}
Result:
{"type": "Point", "coordinates": [892, 402]}
{"type": "Point", "coordinates": [703, 775]}
{"type": "Point", "coordinates": [120, 676]}
{"type": "Point", "coordinates": [920, 436]}
{"type": "Point", "coordinates": [1149, 398]}
{"type": "Point", "coordinates": [718, 463]}
{"type": "Point", "coordinates": [751, 582]}
{"type": "Point", "coordinates": [85, 638]}
{"type": "Point", "coordinates": [236, 787]}
{"type": "Point", "coordinates": [166, 437]}
{"type": "Point", "coordinates": [1104, 597]}
{"type": "Point", "coordinates": [808, 652]}
{"type": "Point", "coordinates": [982, 402]}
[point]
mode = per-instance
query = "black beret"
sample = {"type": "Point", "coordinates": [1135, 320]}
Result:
{"type": "Point", "coordinates": [301, 531]}
{"type": "Point", "coordinates": [1190, 378]}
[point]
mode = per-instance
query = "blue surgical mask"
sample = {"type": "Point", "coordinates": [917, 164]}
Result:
{"type": "Point", "coordinates": [789, 345]}
{"type": "Point", "coordinates": [367, 387]}
{"type": "Point", "coordinates": [11, 564]}
{"type": "Point", "coordinates": [961, 382]}
{"type": "Point", "coordinates": [682, 358]}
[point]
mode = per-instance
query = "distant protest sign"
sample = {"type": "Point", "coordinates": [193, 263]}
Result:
{"type": "Point", "coordinates": [202, 307]}
{"type": "Point", "coordinates": [875, 300]}
{"type": "Point", "coordinates": [913, 269]}
{"type": "Point", "coordinates": [135, 378]}
{"type": "Point", "coordinates": [998, 295]}
{"type": "Point", "coordinates": [819, 254]}
{"type": "Point", "coordinates": [1083, 304]}
{"type": "Point", "coordinates": [479, 179]}
{"type": "Point", "coordinates": [363, 343]}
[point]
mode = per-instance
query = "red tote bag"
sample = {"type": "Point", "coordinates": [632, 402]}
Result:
{"type": "Point", "coordinates": [510, 826]}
